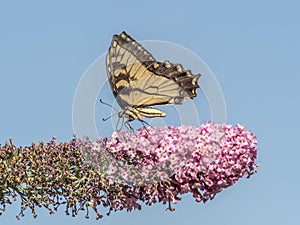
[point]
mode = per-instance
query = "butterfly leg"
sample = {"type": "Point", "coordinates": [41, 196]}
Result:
{"type": "Point", "coordinates": [144, 122]}
{"type": "Point", "coordinates": [117, 125]}
{"type": "Point", "coordinates": [128, 126]}
{"type": "Point", "coordinates": [147, 131]}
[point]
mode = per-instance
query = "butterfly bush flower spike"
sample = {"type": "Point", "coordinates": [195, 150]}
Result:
{"type": "Point", "coordinates": [202, 160]}
{"type": "Point", "coordinates": [147, 166]}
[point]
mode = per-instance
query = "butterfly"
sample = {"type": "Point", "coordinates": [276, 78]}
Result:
{"type": "Point", "coordinates": [138, 81]}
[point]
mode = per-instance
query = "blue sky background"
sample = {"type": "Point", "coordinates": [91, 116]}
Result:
{"type": "Point", "coordinates": [252, 47]}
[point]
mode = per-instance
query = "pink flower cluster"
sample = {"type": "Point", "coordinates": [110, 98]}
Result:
{"type": "Point", "coordinates": [169, 161]}
{"type": "Point", "coordinates": [150, 165]}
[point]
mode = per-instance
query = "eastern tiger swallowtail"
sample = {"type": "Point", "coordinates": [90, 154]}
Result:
{"type": "Point", "coordinates": [138, 81]}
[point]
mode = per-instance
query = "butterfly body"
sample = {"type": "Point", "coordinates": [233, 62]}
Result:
{"type": "Point", "coordinates": [138, 81]}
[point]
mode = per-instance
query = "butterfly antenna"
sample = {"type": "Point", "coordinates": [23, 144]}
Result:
{"type": "Point", "coordinates": [104, 103]}
{"type": "Point", "coordinates": [110, 116]}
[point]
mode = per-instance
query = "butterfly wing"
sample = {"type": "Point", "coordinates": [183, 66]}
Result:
{"type": "Point", "coordinates": [139, 81]}
{"type": "Point", "coordinates": [126, 60]}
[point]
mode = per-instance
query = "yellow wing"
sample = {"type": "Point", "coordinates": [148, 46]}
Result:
{"type": "Point", "coordinates": [139, 81]}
